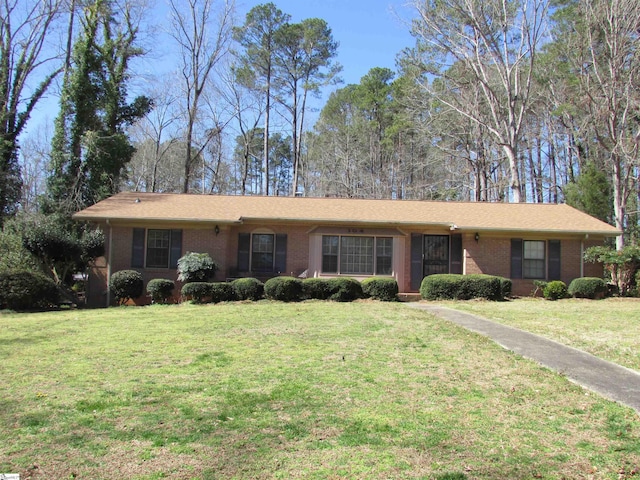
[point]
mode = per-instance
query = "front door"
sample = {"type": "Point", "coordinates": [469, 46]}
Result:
{"type": "Point", "coordinates": [436, 254]}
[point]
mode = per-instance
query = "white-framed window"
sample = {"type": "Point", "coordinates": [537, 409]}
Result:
{"type": "Point", "coordinates": [534, 259]}
{"type": "Point", "coordinates": [262, 252]}
{"type": "Point", "coordinates": [156, 248]}
{"type": "Point", "coordinates": [357, 255]}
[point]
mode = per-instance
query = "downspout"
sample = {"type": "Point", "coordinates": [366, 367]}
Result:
{"type": "Point", "coordinates": [582, 255]}
{"type": "Point", "coordinates": [109, 262]}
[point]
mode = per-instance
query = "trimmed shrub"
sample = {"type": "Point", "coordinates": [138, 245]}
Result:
{"type": "Point", "coordinates": [345, 289]}
{"type": "Point", "coordinates": [316, 288]}
{"type": "Point", "coordinates": [587, 287]}
{"type": "Point", "coordinates": [506, 285]}
{"type": "Point", "coordinates": [385, 289]}
{"type": "Point", "coordinates": [443, 286]}
{"type": "Point", "coordinates": [285, 289]}
{"type": "Point", "coordinates": [555, 290]}
{"type": "Point", "coordinates": [25, 290]}
{"type": "Point", "coordinates": [248, 288]}
{"type": "Point", "coordinates": [196, 267]}
{"type": "Point", "coordinates": [160, 289]}
{"type": "Point", "coordinates": [197, 292]}
{"type": "Point", "coordinates": [221, 292]}
{"type": "Point", "coordinates": [126, 285]}
{"type": "Point", "coordinates": [463, 287]}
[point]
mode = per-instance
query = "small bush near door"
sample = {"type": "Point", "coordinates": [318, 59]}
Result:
{"type": "Point", "coordinates": [464, 287]}
{"type": "Point", "coordinates": [385, 289]}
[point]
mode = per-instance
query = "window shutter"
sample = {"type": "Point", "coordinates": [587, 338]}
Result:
{"type": "Point", "coordinates": [456, 254]}
{"type": "Point", "coordinates": [554, 267]}
{"type": "Point", "coordinates": [244, 244]}
{"type": "Point", "coordinates": [176, 248]}
{"type": "Point", "coordinates": [516, 258]}
{"type": "Point", "coordinates": [137, 248]}
{"type": "Point", "coordinates": [281, 253]}
{"type": "Point", "coordinates": [416, 261]}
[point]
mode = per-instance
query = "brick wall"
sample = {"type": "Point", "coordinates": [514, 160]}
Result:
{"type": "Point", "coordinates": [491, 255]}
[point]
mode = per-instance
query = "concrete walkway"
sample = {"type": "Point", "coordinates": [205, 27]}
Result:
{"type": "Point", "coordinates": [612, 381]}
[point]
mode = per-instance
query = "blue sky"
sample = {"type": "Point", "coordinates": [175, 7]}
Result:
{"type": "Point", "coordinates": [369, 32]}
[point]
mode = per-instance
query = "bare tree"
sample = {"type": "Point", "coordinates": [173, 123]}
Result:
{"type": "Point", "coordinates": [25, 28]}
{"type": "Point", "coordinates": [609, 70]}
{"type": "Point", "coordinates": [202, 31]}
{"type": "Point", "coordinates": [155, 136]}
{"type": "Point", "coordinates": [494, 43]}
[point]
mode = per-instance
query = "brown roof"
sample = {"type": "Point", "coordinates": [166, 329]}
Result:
{"type": "Point", "coordinates": [130, 206]}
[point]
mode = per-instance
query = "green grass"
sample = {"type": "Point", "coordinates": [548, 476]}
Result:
{"type": "Point", "coordinates": [609, 329]}
{"type": "Point", "coordinates": [309, 390]}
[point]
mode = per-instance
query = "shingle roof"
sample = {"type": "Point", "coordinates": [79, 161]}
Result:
{"type": "Point", "coordinates": [133, 206]}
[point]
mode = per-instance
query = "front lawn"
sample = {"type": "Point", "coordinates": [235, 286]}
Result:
{"type": "Point", "coordinates": [308, 390]}
{"type": "Point", "coordinates": [609, 329]}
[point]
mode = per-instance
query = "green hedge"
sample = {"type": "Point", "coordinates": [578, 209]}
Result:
{"type": "Point", "coordinates": [26, 290]}
{"type": "Point", "coordinates": [197, 292]}
{"type": "Point", "coordinates": [587, 287]}
{"type": "Point", "coordinates": [160, 290]}
{"type": "Point", "coordinates": [222, 292]}
{"type": "Point", "coordinates": [126, 285]}
{"type": "Point", "coordinates": [285, 289]}
{"type": "Point", "coordinates": [464, 287]}
{"type": "Point", "coordinates": [248, 289]}
{"type": "Point", "coordinates": [344, 289]}
{"type": "Point", "coordinates": [316, 288]}
{"type": "Point", "coordinates": [555, 290]}
{"type": "Point", "coordinates": [385, 289]}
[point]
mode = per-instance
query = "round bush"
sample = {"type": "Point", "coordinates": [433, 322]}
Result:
{"type": "Point", "coordinates": [285, 289]}
{"type": "Point", "coordinates": [248, 288]}
{"type": "Point", "coordinates": [555, 290]}
{"type": "Point", "coordinates": [385, 289]}
{"type": "Point", "coordinates": [587, 287]}
{"type": "Point", "coordinates": [196, 267]}
{"type": "Point", "coordinates": [222, 292]}
{"type": "Point", "coordinates": [160, 289]}
{"type": "Point", "coordinates": [316, 288]}
{"type": "Point", "coordinates": [25, 290]}
{"type": "Point", "coordinates": [463, 287]}
{"type": "Point", "coordinates": [197, 292]}
{"type": "Point", "coordinates": [126, 285]}
{"type": "Point", "coordinates": [345, 289]}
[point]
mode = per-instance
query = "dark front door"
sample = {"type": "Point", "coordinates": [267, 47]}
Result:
{"type": "Point", "coordinates": [436, 254]}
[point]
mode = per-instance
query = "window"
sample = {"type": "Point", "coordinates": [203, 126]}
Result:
{"type": "Point", "coordinates": [355, 255]}
{"type": "Point", "coordinates": [533, 259]}
{"type": "Point", "coordinates": [262, 252]}
{"type": "Point", "coordinates": [384, 256]}
{"type": "Point", "coordinates": [156, 248]}
{"type": "Point", "coordinates": [158, 242]}
{"type": "Point", "coordinates": [330, 254]}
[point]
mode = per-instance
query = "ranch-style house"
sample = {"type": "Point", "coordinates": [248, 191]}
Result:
{"type": "Point", "coordinates": [306, 237]}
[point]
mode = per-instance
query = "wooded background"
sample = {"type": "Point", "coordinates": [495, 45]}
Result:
{"type": "Point", "coordinates": [497, 100]}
